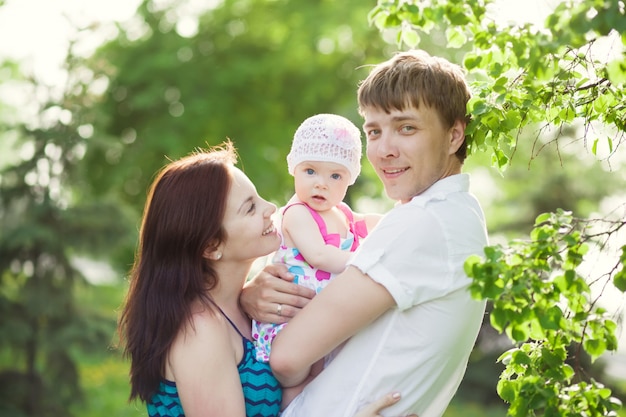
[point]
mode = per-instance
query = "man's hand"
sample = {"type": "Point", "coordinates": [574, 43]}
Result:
{"type": "Point", "coordinates": [272, 297]}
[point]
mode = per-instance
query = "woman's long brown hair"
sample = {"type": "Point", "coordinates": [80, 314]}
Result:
{"type": "Point", "coordinates": [182, 217]}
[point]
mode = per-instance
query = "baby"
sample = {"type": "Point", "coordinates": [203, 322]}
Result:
{"type": "Point", "coordinates": [319, 231]}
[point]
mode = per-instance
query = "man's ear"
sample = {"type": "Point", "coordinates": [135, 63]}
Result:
{"type": "Point", "coordinates": [457, 136]}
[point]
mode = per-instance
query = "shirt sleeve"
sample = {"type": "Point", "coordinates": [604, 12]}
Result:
{"type": "Point", "coordinates": [407, 253]}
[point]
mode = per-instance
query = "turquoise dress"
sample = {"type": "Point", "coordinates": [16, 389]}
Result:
{"type": "Point", "coordinates": [261, 390]}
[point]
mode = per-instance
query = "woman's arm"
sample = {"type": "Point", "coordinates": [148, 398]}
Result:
{"type": "Point", "coordinates": [350, 302]}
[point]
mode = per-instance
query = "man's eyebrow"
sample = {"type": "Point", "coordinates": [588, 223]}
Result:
{"type": "Point", "coordinates": [402, 118]}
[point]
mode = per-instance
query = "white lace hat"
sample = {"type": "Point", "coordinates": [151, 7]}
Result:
{"type": "Point", "coordinates": [327, 138]}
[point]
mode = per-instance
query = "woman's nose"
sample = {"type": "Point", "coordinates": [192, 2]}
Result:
{"type": "Point", "coordinates": [271, 209]}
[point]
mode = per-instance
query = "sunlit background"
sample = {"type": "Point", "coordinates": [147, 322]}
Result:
{"type": "Point", "coordinates": [37, 33]}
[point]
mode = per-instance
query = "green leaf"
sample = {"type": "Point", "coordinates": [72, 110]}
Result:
{"type": "Point", "coordinates": [542, 218]}
{"type": "Point", "coordinates": [507, 390]}
{"type": "Point", "coordinates": [551, 318]}
{"type": "Point", "coordinates": [617, 72]}
{"type": "Point", "coordinates": [498, 319]}
{"type": "Point", "coordinates": [472, 61]}
{"type": "Point", "coordinates": [477, 106]}
{"type": "Point", "coordinates": [392, 21]}
{"type": "Point", "coordinates": [594, 347]}
{"type": "Point", "coordinates": [469, 264]}
{"type": "Point", "coordinates": [410, 37]}
{"type": "Point", "coordinates": [551, 358]}
{"type": "Point", "coordinates": [518, 332]}
{"type": "Point", "coordinates": [619, 280]}
{"type": "Point", "coordinates": [455, 37]}
{"type": "Point", "coordinates": [501, 157]}
{"type": "Point", "coordinates": [521, 358]}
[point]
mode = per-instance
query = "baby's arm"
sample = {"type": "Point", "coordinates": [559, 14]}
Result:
{"type": "Point", "coordinates": [299, 227]}
{"type": "Point", "coordinates": [371, 219]}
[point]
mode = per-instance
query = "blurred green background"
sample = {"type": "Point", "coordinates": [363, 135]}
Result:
{"type": "Point", "coordinates": [78, 153]}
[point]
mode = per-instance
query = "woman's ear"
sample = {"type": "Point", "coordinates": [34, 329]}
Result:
{"type": "Point", "coordinates": [457, 136]}
{"type": "Point", "coordinates": [213, 253]}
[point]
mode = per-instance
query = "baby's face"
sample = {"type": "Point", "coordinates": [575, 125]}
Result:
{"type": "Point", "coordinates": [322, 185]}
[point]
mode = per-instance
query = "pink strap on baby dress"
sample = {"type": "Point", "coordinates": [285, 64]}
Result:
{"type": "Point", "coordinates": [358, 229]}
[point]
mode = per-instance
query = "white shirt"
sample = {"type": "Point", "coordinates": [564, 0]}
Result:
{"type": "Point", "coordinates": [421, 347]}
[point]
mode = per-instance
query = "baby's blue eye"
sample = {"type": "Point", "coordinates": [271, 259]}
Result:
{"type": "Point", "coordinates": [310, 171]}
{"type": "Point", "coordinates": [336, 176]}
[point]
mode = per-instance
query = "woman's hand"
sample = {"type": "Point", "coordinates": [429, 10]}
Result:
{"type": "Point", "coordinates": [373, 409]}
{"type": "Point", "coordinates": [272, 297]}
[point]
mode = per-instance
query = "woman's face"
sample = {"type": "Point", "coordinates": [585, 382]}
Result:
{"type": "Point", "coordinates": [250, 232]}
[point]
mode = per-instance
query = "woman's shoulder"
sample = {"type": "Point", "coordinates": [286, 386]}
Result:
{"type": "Point", "coordinates": [202, 337]}
{"type": "Point", "coordinates": [203, 324]}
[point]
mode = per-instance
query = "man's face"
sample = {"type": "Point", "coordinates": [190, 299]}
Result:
{"type": "Point", "coordinates": [410, 149]}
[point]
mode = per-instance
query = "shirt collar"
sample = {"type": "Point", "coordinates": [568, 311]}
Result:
{"type": "Point", "coordinates": [448, 185]}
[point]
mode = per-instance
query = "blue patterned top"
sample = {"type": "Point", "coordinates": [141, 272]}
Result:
{"type": "Point", "coordinates": [261, 390]}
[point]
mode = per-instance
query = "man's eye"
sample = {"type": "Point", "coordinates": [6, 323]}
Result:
{"type": "Point", "coordinates": [373, 132]}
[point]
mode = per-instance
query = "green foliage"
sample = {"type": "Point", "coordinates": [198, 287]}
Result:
{"type": "Point", "coordinates": [472, 409]}
{"type": "Point", "coordinates": [537, 292]}
{"type": "Point", "coordinates": [105, 384]}
{"type": "Point", "coordinates": [104, 372]}
{"type": "Point", "coordinates": [620, 277]}
{"type": "Point", "coordinates": [238, 77]}
{"type": "Point", "coordinates": [524, 76]}
{"type": "Point", "coordinates": [540, 178]}
{"type": "Point", "coordinates": [44, 227]}
{"type": "Point", "coordinates": [542, 304]}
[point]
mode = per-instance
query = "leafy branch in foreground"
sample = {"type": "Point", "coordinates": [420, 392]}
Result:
{"type": "Point", "coordinates": [523, 75]}
{"type": "Point", "coordinates": [545, 306]}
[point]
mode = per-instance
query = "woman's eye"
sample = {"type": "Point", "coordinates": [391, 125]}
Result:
{"type": "Point", "coordinates": [252, 208]}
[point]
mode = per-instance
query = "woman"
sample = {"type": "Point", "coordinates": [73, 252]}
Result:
{"type": "Point", "coordinates": [188, 339]}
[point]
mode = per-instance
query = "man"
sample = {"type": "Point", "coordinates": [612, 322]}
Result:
{"type": "Point", "coordinates": [401, 308]}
